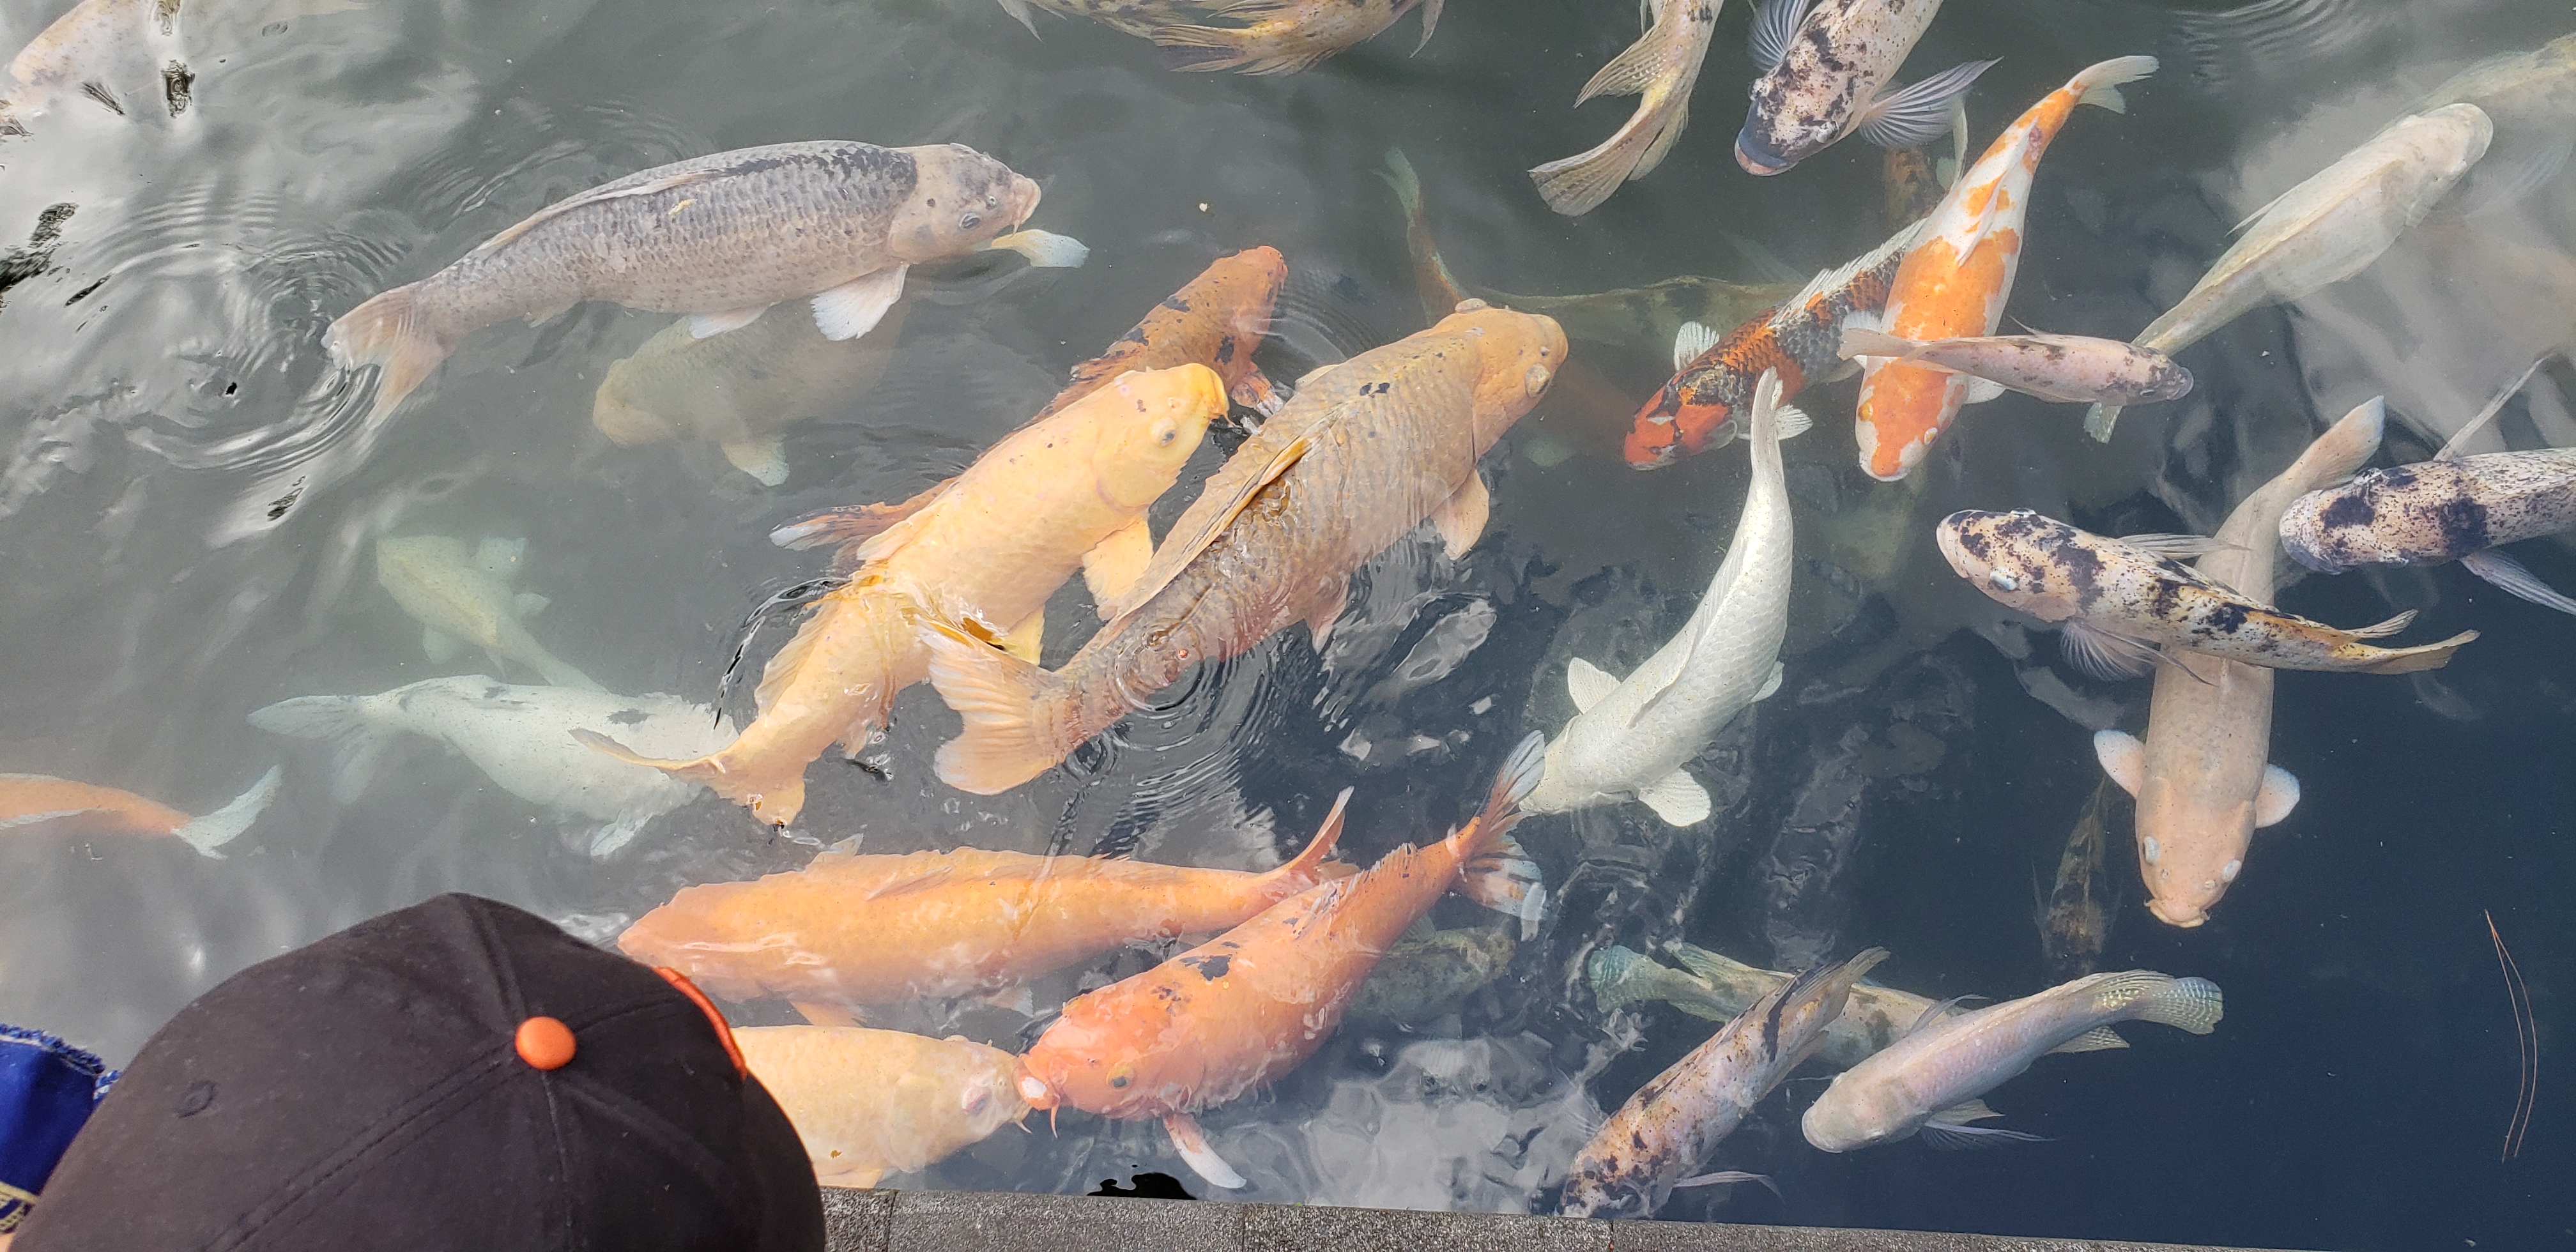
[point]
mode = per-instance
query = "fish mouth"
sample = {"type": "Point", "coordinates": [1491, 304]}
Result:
{"type": "Point", "coordinates": [1756, 158]}
{"type": "Point", "coordinates": [2181, 915]}
{"type": "Point", "coordinates": [1025, 194]}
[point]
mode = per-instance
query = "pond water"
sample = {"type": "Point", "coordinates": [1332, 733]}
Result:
{"type": "Point", "coordinates": [191, 493]}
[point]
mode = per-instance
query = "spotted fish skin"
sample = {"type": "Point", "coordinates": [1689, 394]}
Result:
{"type": "Point", "coordinates": [2434, 511]}
{"type": "Point", "coordinates": [1844, 52]}
{"type": "Point", "coordinates": [2057, 573]}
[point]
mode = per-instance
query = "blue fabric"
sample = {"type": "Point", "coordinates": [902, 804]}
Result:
{"type": "Point", "coordinates": [47, 1089]}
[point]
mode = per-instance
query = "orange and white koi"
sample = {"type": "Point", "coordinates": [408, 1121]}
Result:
{"type": "Point", "coordinates": [31, 799]}
{"type": "Point", "coordinates": [1956, 281]}
{"type": "Point", "coordinates": [1227, 1016]}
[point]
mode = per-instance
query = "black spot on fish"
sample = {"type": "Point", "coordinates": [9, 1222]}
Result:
{"type": "Point", "coordinates": [2352, 508]}
{"type": "Point", "coordinates": [1176, 304]}
{"type": "Point", "coordinates": [2226, 618]}
{"type": "Point", "coordinates": [628, 717]}
{"type": "Point", "coordinates": [2462, 522]}
{"type": "Point", "coordinates": [1224, 350]}
{"type": "Point", "coordinates": [1210, 968]}
{"type": "Point", "coordinates": [1134, 335]}
{"type": "Point", "coordinates": [2083, 571]}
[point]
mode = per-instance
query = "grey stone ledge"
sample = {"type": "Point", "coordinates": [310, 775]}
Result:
{"type": "Point", "coordinates": [962, 1221]}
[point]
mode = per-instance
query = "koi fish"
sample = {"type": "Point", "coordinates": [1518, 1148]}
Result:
{"type": "Point", "coordinates": [32, 799]}
{"type": "Point", "coordinates": [1222, 1019]}
{"type": "Point", "coordinates": [1363, 453]}
{"type": "Point", "coordinates": [1661, 67]}
{"type": "Point", "coordinates": [738, 391]}
{"type": "Point", "coordinates": [2069, 369]}
{"type": "Point", "coordinates": [1713, 380]}
{"type": "Point", "coordinates": [856, 930]}
{"type": "Point", "coordinates": [984, 550]}
{"type": "Point", "coordinates": [1956, 281]}
{"type": "Point", "coordinates": [710, 237]}
{"type": "Point", "coordinates": [1717, 988]}
{"type": "Point", "coordinates": [1285, 36]}
{"type": "Point", "coordinates": [1930, 1080]}
{"type": "Point", "coordinates": [2324, 230]}
{"type": "Point", "coordinates": [1638, 1156]}
{"type": "Point", "coordinates": [1427, 976]}
{"type": "Point", "coordinates": [1629, 740]}
{"type": "Point", "coordinates": [1825, 70]}
{"type": "Point", "coordinates": [2118, 598]}
{"type": "Point", "coordinates": [2200, 779]}
{"type": "Point", "coordinates": [2075, 916]}
{"type": "Point", "coordinates": [868, 1103]}
{"type": "Point", "coordinates": [1217, 319]}
{"type": "Point", "coordinates": [459, 599]}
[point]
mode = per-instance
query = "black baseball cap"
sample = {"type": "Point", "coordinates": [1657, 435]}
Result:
{"type": "Point", "coordinates": [456, 1075]}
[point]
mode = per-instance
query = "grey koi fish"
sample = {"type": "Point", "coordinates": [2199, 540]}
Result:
{"type": "Point", "coordinates": [1826, 66]}
{"type": "Point", "coordinates": [1716, 988]}
{"type": "Point", "coordinates": [2069, 369]}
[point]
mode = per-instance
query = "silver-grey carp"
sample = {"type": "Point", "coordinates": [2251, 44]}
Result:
{"type": "Point", "coordinates": [2068, 369]}
{"type": "Point", "coordinates": [2451, 508]}
{"type": "Point", "coordinates": [1826, 66]}
{"type": "Point", "coordinates": [1930, 1080]}
{"type": "Point", "coordinates": [720, 238]}
{"type": "Point", "coordinates": [2118, 598]}
{"type": "Point", "coordinates": [1671, 1124]}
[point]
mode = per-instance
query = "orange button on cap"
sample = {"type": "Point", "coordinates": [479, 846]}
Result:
{"type": "Point", "coordinates": [545, 1043]}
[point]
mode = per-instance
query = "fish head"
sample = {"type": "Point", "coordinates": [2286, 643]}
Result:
{"type": "Point", "coordinates": [2019, 559]}
{"type": "Point", "coordinates": [1851, 1115]}
{"type": "Point", "coordinates": [1784, 124]}
{"type": "Point", "coordinates": [960, 199]}
{"type": "Point", "coordinates": [1754, 152]}
{"type": "Point", "coordinates": [1117, 1052]}
{"type": "Point", "coordinates": [991, 1093]}
{"type": "Point", "coordinates": [618, 417]}
{"type": "Point", "coordinates": [1245, 285]}
{"type": "Point", "coordinates": [1677, 423]}
{"type": "Point", "coordinates": [2189, 853]}
{"type": "Point", "coordinates": [1148, 424]}
{"type": "Point", "coordinates": [1517, 356]}
{"type": "Point", "coordinates": [2165, 381]}
{"type": "Point", "coordinates": [2334, 530]}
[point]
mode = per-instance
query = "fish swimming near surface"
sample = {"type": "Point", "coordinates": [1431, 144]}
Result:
{"type": "Point", "coordinates": [462, 598]}
{"type": "Point", "coordinates": [1826, 66]}
{"type": "Point", "coordinates": [2200, 776]}
{"type": "Point", "coordinates": [1712, 385]}
{"type": "Point", "coordinates": [2324, 230]}
{"type": "Point", "coordinates": [1672, 1124]}
{"type": "Point", "coordinates": [521, 737]}
{"type": "Point", "coordinates": [1284, 36]}
{"type": "Point", "coordinates": [1217, 1022]}
{"type": "Point", "coordinates": [981, 552]}
{"type": "Point", "coordinates": [1956, 281]}
{"type": "Point", "coordinates": [30, 800]}
{"type": "Point", "coordinates": [2530, 97]}
{"type": "Point", "coordinates": [2069, 369]}
{"type": "Point", "coordinates": [868, 1103]}
{"type": "Point", "coordinates": [739, 390]}
{"type": "Point", "coordinates": [1931, 1080]}
{"type": "Point", "coordinates": [2118, 598]}
{"type": "Point", "coordinates": [1661, 66]}
{"type": "Point", "coordinates": [852, 930]}
{"type": "Point", "coordinates": [1717, 988]}
{"type": "Point", "coordinates": [93, 49]}
{"type": "Point", "coordinates": [1217, 319]}
{"type": "Point", "coordinates": [1629, 739]}
{"type": "Point", "coordinates": [1361, 455]}
{"type": "Point", "coordinates": [2075, 915]}
{"type": "Point", "coordinates": [720, 238]}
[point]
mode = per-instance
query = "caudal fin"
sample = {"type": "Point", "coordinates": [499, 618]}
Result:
{"type": "Point", "coordinates": [387, 332]}
{"type": "Point", "coordinates": [1494, 871]}
{"type": "Point", "coordinates": [1578, 184]}
{"type": "Point", "coordinates": [2192, 1004]}
{"type": "Point", "coordinates": [340, 721]}
{"type": "Point", "coordinates": [210, 833]}
{"type": "Point", "coordinates": [775, 796]}
{"type": "Point", "coordinates": [2421, 657]}
{"type": "Point", "coordinates": [997, 694]}
{"type": "Point", "coordinates": [2100, 83]}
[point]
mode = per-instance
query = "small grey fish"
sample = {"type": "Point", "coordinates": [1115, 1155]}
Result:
{"type": "Point", "coordinates": [2075, 917]}
{"type": "Point", "coordinates": [2069, 369]}
{"type": "Point", "coordinates": [2118, 598]}
{"type": "Point", "coordinates": [2451, 508]}
{"type": "Point", "coordinates": [720, 238]}
{"type": "Point", "coordinates": [1930, 1080]}
{"type": "Point", "coordinates": [1717, 988]}
{"type": "Point", "coordinates": [1428, 976]}
{"type": "Point", "coordinates": [1671, 1124]}
{"type": "Point", "coordinates": [1826, 66]}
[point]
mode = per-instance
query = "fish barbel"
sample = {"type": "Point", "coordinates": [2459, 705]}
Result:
{"type": "Point", "coordinates": [1217, 319]}
{"type": "Point", "coordinates": [981, 551]}
{"type": "Point", "coordinates": [1629, 739]}
{"type": "Point", "coordinates": [1717, 988]}
{"type": "Point", "coordinates": [1930, 1080]}
{"type": "Point", "coordinates": [28, 800]}
{"type": "Point", "coordinates": [2324, 230]}
{"type": "Point", "coordinates": [1671, 1124]}
{"type": "Point", "coordinates": [1364, 453]}
{"type": "Point", "coordinates": [2200, 777]}
{"type": "Point", "coordinates": [1285, 36]}
{"type": "Point", "coordinates": [1825, 67]}
{"type": "Point", "coordinates": [868, 1103]}
{"type": "Point", "coordinates": [2069, 369]}
{"type": "Point", "coordinates": [1956, 282]}
{"type": "Point", "coordinates": [1222, 1019]}
{"type": "Point", "coordinates": [719, 237]}
{"type": "Point", "coordinates": [856, 930]}
{"type": "Point", "coordinates": [460, 598]}
{"type": "Point", "coordinates": [1660, 67]}
{"type": "Point", "coordinates": [2120, 598]}
{"type": "Point", "coordinates": [739, 390]}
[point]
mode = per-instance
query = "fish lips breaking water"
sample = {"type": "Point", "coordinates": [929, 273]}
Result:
{"type": "Point", "coordinates": [961, 199]}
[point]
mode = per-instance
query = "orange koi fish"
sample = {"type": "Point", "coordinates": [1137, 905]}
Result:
{"type": "Point", "coordinates": [1218, 319]}
{"type": "Point", "coordinates": [1954, 283]}
{"type": "Point", "coordinates": [1218, 1021]}
{"type": "Point", "coordinates": [853, 930]}
{"type": "Point", "coordinates": [30, 799]}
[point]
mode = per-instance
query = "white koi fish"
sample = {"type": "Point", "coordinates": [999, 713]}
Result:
{"type": "Point", "coordinates": [459, 599]}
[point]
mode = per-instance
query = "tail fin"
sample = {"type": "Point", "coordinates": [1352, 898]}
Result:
{"type": "Point", "coordinates": [2101, 83]}
{"type": "Point", "coordinates": [340, 721]}
{"type": "Point", "coordinates": [2421, 657]}
{"type": "Point", "coordinates": [209, 833]}
{"type": "Point", "coordinates": [997, 694]}
{"type": "Point", "coordinates": [2192, 1004]}
{"type": "Point", "coordinates": [1578, 184]}
{"type": "Point", "coordinates": [1308, 867]}
{"type": "Point", "coordinates": [774, 796]}
{"type": "Point", "coordinates": [1493, 869]}
{"type": "Point", "coordinates": [386, 332]}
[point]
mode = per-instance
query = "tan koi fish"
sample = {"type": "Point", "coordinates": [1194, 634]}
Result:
{"type": "Point", "coordinates": [869, 1103]}
{"type": "Point", "coordinates": [27, 800]}
{"type": "Point", "coordinates": [1285, 36]}
{"type": "Point", "coordinates": [739, 390]}
{"type": "Point", "coordinates": [1665, 1130]}
{"type": "Point", "coordinates": [2069, 369]}
{"type": "Point", "coordinates": [2200, 779]}
{"type": "Point", "coordinates": [1362, 454]}
{"type": "Point", "coordinates": [1826, 65]}
{"type": "Point", "coordinates": [1717, 988]}
{"type": "Point", "coordinates": [2075, 916]}
{"type": "Point", "coordinates": [2324, 230]}
{"type": "Point", "coordinates": [1217, 319]}
{"type": "Point", "coordinates": [719, 237]}
{"type": "Point", "coordinates": [982, 550]}
{"type": "Point", "coordinates": [460, 598]}
{"type": "Point", "coordinates": [1661, 67]}
{"type": "Point", "coordinates": [1930, 1080]}
{"type": "Point", "coordinates": [858, 930]}
{"type": "Point", "coordinates": [2119, 598]}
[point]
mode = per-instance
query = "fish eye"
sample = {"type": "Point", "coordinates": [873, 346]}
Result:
{"type": "Point", "coordinates": [1121, 1076]}
{"type": "Point", "coordinates": [1165, 431]}
{"type": "Point", "coordinates": [970, 220]}
{"type": "Point", "coordinates": [2003, 581]}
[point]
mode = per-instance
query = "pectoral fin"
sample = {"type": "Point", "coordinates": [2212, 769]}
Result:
{"type": "Point", "coordinates": [1179, 550]}
{"type": "Point", "coordinates": [2123, 758]}
{"type": "Point", "coordinates": [1114, 564]}
{"type": "Point", "coordinates": [1461, 519]}
{"type": "Point", "coordinates": [853, 308]}
{"type": "Point", "coordinates": [709, 325]}
{"type": "Point", "coordinates": [1192, 1144]}
{"type": "Point", "coordinates": [1981, 390]}
{"type": "Point", "coordinates": [440, 646]}
{"type": "Point", "coordinates": [529, 604]}
{"type": "Point", "coordinates": [1690, 342]}
{"type": "Point", "coordinates": [1022, 640]}
{"type": "Point", "coordinates": [1917, 115]}
{"type": "Point", "coordinates": [2098, 1039]}
{"type": "Point", "coordinates": [827, 1014]}
{"type": "Point", "coordinates": [1678, 799]}
{"type": "Point", "coordinates": [2278, 795]}
{"type": "Point", "coordinates": [1587, 684]}
{"type": "Point", "coordinates": [764, 459]}
{"type": "Point", "coordinates": [1771, 685]}
{"type": "Point", "coordinates": [1326, 610]}
{"type": "Point", "coordinates": [2510, 577]}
